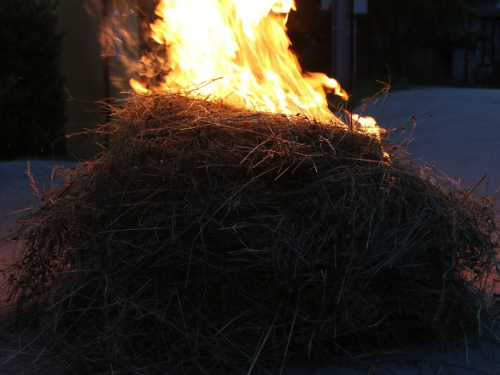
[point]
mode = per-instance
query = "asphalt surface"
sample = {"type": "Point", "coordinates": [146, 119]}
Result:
{"type": "Point", "coordinates": [17, 195]}
{"type": "Point", "coordinates": [455, 129]}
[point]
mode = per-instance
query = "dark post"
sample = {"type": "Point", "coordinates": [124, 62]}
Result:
{"type": "Point", "coordinates": [342, 42]}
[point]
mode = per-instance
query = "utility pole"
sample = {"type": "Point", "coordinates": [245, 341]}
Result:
{"type": "Point", "coordinates": [343, 42]}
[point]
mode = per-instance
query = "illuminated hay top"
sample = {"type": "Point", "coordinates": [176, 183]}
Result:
{"type": "Point", "coordinates": [231, 50]}
{"type": "Point", "coordinates": [210, 239]}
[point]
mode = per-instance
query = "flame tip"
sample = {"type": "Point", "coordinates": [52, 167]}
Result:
{"type": "Point", "coordinates": [238, 51]}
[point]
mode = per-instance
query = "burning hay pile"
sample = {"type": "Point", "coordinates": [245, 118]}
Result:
{"type": "Point", "coordinates": [211, 239]}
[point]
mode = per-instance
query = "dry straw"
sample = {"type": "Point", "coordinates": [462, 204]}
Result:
{"type": "Point", "coordinates": [210, 239]}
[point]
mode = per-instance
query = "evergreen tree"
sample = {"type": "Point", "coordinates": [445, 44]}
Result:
{"type": "Point", "coordinates": [32, 102]}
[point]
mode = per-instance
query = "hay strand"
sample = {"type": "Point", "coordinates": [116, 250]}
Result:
{"type": "Point", "coordinates": [212, 239]}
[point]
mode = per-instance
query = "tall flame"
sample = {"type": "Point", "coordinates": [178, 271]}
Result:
{"type": "Point", "coordinates": [238, 50]}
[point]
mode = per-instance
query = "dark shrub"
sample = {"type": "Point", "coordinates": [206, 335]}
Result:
{"type": "Point", "coordinates": [32, 102]}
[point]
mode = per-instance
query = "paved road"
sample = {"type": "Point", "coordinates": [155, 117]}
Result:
{"type": "Point", "coordinates": [17, 196]}
{"type": "Point", "coordinates": [455, 129]}
{"type": "Point", "coordinates": [16, 192]}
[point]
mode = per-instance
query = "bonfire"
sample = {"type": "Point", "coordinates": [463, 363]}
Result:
{"type": "Point", "coordinates": [212, 238]}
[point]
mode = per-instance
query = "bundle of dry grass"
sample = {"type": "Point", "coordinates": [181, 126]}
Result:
{"type": "Point", "coordinates": [209, 239]}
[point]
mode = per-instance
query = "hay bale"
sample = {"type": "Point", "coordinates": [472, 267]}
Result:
{"type": "Point", "coordinates": [212, 239]}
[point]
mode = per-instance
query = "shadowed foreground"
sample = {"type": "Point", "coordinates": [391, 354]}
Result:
{"type": "Point", "coordinates": [213, 239]}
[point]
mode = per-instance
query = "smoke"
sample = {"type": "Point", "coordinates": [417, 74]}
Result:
{"type": "Point", "coordinates": [125, 41]}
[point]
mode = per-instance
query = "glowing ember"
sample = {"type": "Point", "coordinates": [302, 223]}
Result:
{"type": "Point", "coordinates": [238, 51]}
{"type": "Point", "coordinates": [367, 124]}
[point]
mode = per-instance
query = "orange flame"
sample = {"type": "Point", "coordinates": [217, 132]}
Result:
{"type": "Point", "coordinates": [369, 125]}
{"type": "Point", "coordinates": [238, 51]}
